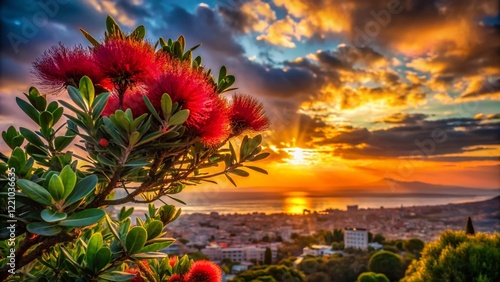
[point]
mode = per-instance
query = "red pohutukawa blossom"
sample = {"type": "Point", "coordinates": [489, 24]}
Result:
{"type": "Point", "coordinates": [247, 113]}
{"type": "Point", "coordinates": [189, 87]}
{"type": "Point", "coordinates": [176, 278]}
{"type": "Point", "coordinates": [133, 100]}
{"type": "Point", "coordinates": [138, 277]}
{"type": "Point", "coordinates": [172, 261]}
{"type": "Point", "coordinates": [127, 62]}
{"type": "Point", "coordinates": [215, 129]}
{"type": "Point", "coordinates": [61, 66]}
{"type": "Point", "coordinates": [204, 271]}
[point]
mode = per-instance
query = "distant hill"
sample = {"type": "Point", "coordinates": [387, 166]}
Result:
{"type": "Point", "coordinates": [391, 187]}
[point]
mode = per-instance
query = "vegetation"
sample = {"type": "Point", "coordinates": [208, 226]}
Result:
{"type": "Point", "coordinates": [457, 256]}
{"type": "Point", "coordinates": [372, 277]}
{"type": "Point", "coordinates": [267, 273]}
{"type": "Point", "coordinates": [147, 120]}
{"type": "Point", "coordinates": [388, 263]}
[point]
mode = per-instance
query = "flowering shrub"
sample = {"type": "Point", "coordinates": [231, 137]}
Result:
{"type": "Point", "coordinates": [146, 119]}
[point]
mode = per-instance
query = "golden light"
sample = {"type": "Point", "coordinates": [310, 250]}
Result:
{"type": "Point", "coordinates": [297, 155]}
{"type": "Point", "coordinates": [296, 203]}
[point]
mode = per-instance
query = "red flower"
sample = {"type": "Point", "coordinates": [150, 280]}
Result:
{"type": "Point", "coordinates": [137, 278]}
{"type": "Point", "coordinates": [204, 271]}
{"type": "Point", "coordinates": [215, 129]}
{"type": "Point", "coordinates": [133, 99]}
{"type": "Point", "coordinates": [103, 142]}
{"type": "Point", "coordinates": [176, 278]}
{"type": "Point", "coordinates": [172, 261]}
{"type": "Point", "coordinates": [61, 66]}
{"type": "Point", "coordinates": [189, 87]}
{"type": "Point", "coordinates": [247, 113]}
{"type": "Point", "coordinates": [127, 62]}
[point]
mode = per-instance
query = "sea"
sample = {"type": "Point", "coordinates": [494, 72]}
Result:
{"type": "Point", "coordinates": [297, 203]}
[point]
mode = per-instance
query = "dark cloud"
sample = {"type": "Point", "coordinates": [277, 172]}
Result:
{"type": "Point", "coordinates": [404, 118]}
{"type": "Point", "coordinates": [487, 88]}
{"type": "Point", "coordinates": [428, 138]}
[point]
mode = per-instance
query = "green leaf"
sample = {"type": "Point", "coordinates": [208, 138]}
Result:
{"type": "Point", "coordinates": [155, 247]}
{"type": "Point", "coordinates": [179, 118]}
{"type": "Point", "coordinates": [117, 276]}
{"type": "Point", "coordinates": [56, 187]}
{"type": "Point", "coordinates": [113, 28]}
{"type": "Point", "coordinates": [61, 142]}
{"type": "Point", "coordinates": [240, 172]}
{"type": "Point", "coordinates": [258, 169]}
{"type": "Point", "coordinates": [102, 258]}
{"type": "Point", "coordinates": [68, 178]}
{"type": "Point", "coordinates": [112, 227]}
{"type": "Point", "coordinates": [222, 74]}
{"type": "Point", "coordinates": [31, 137]}
{"type": "Point", "coordinates": [83, 218]}
{"type": "Point", "coordinates": [87, 89]}
{"type": "Point", "coordinates": [52, 216]}
{"type": "Point", "coordinates": [151, 108]}
{"type": "Point", "coordinates": [46, 120]}
{"type": "Point", "coordinates": [135, 240]}
{"type": "Point", "coordinates": [139, 33]}
{"type": "Point", "coordinates": [259, 157]}
{"type": "Point", "coordinates": [35, 192]}
{"type": "Point", "coordinates": [154, 229]}
{"type": "Point", "coordinates": [83, 188]}
{"type": "Point", "coordinates": [125, 213]}
{"type": "Point", "coordinates": [77, 98]}
{"type": "Point", "coordinates": [29, 110]}
{"type": "Point", "coordinates": [166, 105]}
{"type": "Point", "coordinates": [94, 244]}
{"type": "Point", "coordinates": [43, 228]}
{"type": "Point", "coordinates": [150, 255]}
{"type": "Point", "coordinates": [230, 179]}
{"type": "Point", "coordinates": [99, 104]}
{"type": "Point", "coordinates": [90, 38]}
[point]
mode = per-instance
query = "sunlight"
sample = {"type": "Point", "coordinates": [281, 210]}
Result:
{"type": "Point", "coordinates": [296, 204]}
{"type": "Point", "coordinates": [297, 155]}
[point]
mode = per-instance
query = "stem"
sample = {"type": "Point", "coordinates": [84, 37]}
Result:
{"type": "Point", "coordinates": [46, 244]}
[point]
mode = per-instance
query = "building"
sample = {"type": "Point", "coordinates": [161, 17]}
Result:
{"type": "Point", "coordinates": [318, 250]}
{"type": "Point", "coordinates": [352, 208]}
{"type": "Point", "coordinates": [356, 238]}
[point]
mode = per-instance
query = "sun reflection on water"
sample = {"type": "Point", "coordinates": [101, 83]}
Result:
{"type": "Point", "coordinates": [296, 203]}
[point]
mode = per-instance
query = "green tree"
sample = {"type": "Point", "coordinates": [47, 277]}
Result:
{"type": "Point", "coordinates": [372, 277]}
{"type": "Point", "coordinates": [278, 272]}
{"type": "Point", "coordinates": [456, 256]}
{"type": "Point", "coordinates": [268, 256]}
{"type": "Point", "coordinates": [387, 263]}
{"type": "Point", "coordinates": [469, 227]}
{"type": "Point", "coordinates": [414, 246]}
{"type": "Point", "coordinates": [379, 238]}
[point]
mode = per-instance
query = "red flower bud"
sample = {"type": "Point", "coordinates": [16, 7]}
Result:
{"type": "Point", "coordinates": [103, 142]}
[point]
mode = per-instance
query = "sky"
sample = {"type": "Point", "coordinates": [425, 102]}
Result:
{"type": "Point", "coordinates": [357, 91]}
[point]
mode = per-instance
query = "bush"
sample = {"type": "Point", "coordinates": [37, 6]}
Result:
{"type": "Point", "coordinates": [457, 256]}
{"type": "Point", "coordinates": [387, 263]}
{"type": "Point", "coordinates": [372, 277]}
{"type": "Point", "coordinates": [132, 137]}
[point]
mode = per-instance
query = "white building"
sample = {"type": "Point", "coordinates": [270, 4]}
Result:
{"type": "Point", "coordinates": [241, 253]}
{"type": "Point", "coordinates": [356, 238]}
{"type": "Point", "coordinates": [318, 250]}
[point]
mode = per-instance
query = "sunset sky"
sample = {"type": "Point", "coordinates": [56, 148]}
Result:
{"type": "Point", "coordinates": [357, 91]}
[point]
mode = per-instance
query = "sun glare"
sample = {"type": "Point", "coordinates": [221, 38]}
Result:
{"type": "Point", "coordinates": [297, 155]}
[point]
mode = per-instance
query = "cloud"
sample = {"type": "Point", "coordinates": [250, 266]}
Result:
{"type": "Point", "coordinates": [403, 118]}
{"type": "Point", "coordinates": [427, 138]}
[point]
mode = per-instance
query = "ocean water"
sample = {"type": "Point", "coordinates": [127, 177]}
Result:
{"type": "Point", "coordinates": [295, 204]}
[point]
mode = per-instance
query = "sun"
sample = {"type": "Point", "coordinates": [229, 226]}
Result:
{"type": "Point", "coordinates": [297, 156]}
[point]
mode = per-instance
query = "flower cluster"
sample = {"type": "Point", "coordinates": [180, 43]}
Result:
{"type": "Point", "coordinates": [131, 68]}
{"type": "Point", "coordinates": [200, 271]}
